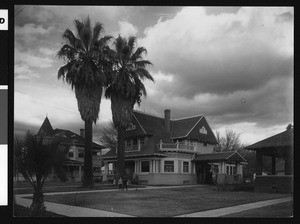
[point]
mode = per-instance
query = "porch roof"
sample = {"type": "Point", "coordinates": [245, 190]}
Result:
{"type": "Point", "coordinates": [220, 156]}
{"type": "Point", "coordinates": [282, 140]}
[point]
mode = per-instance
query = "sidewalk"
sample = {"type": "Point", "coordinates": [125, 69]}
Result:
{"type": "Point", "coordinates": [234, 209]}
{"type": "Point", "coordinates": [76, 211]}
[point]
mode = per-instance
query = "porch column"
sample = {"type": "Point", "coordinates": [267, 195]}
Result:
{"type": "Point", "coordinates": [106, 168]}
{"type": "Point", "coordinates": [259, 163]}
{"type": "Point", "coordinates": [161, 166]}
{"type": "Point", "coordinates": [79, 171]}
{"type": "Point", "coordinates": [239, 169]}
{"type": "Point", "coordinates": [273, 165]}
{"type": "Point", "coordinates": [288, 166]}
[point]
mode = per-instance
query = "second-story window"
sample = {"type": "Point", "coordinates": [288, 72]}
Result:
{"type": "Point", "coordinates": [131, 126]}
{"type": "Point", "coordinates": [71, 153]}
{"type": "Point", "coordinates": [142, 141]}
{"type": "Point", "coordinates": [80, 154]}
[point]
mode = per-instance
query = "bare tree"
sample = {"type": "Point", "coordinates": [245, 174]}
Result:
{"type": "Point", "coordinates": [230, 142]}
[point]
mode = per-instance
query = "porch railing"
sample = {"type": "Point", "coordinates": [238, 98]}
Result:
{"type": "Point", "coordinates": [177, 146]}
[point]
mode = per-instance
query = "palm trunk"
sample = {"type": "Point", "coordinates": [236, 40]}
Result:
{"type": "Point", "coordinates": [37, 208]}
{"type": "Point", "coordinates": [121, 153]}
{"type": "Point", "coordinates": [88, 180]}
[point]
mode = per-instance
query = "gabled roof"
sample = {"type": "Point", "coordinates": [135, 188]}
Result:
{"type": "Point", "coordinates": [73, 137]}
{"type": "Point", "coordinates": [182, 127]}
{"type": "Point", "coordinates": [282, 139]}
{"type": "Point", "coordinates": [220, 156]}
{"type": "Point", "coordinates": [153, 126]}
{"type": "Point", "coordinates": [46, 128]}
{"type": "Point", "coordinates": [47, 131]}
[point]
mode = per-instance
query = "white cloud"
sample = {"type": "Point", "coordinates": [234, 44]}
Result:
{"type": "Point", "coordinates": [30, 33]}
{"type": "Point", "coordinates": [47, 51]}
{"type": "Point", "coordinates": [126, 29]}
{"type": "Point", "coordinates": [33, 60]}
{"type": "Point", "coordinates": [24, 72]}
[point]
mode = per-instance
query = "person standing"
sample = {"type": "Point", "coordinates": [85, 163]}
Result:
{"type": "Point", "coordinates": [120, 183]}
{"type": "Point", "coordinates": [125, 183]}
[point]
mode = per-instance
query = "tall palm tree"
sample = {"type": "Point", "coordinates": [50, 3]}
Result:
{"type": "Point", "coordinates": [85, 68]}
{"type": "Point", "coordinates": [36, 159]}
{"type": "Point", "coordinates": [126, 89]}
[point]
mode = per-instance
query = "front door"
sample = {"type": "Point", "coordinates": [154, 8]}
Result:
{"type": "Point", "coordinates": [203, 173]}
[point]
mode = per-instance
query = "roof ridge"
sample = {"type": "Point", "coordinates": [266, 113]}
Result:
{"type": "Point", "coordinates": [194, 116]}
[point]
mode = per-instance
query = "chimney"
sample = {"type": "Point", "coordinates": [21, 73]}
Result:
{"type": "Point", "coordinates": [167, 120]}
{"type": "Point", "coordinates": [82, 132]}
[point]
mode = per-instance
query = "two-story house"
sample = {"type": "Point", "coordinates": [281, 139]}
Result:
{"type": "Point", "coordinates": [75, 162]}
{"type": "Point", "coordinates": [172, 151]}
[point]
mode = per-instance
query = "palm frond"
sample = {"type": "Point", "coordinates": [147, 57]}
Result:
{"type": "Point", "coordinates": [70, 37]}
{"type": "Point", "coordinates": [97, 30]}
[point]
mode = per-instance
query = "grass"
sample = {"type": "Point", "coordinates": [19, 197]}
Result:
{"type": "Point", "coordinates": [20, 211]}
{"type": "Point", "coordinates": [26, 188]}
{"type": "Point", "coordinates": [162, 202]}
{"type": "Point", "coordinates": [281, 210]}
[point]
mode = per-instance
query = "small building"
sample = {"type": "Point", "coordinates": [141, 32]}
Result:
{"type": "Point", "coordinates": [75, 162]}
{"type": "Point", "coordinates": [280, 148]}
{"type": "Point", "coordinates": [165, 151]}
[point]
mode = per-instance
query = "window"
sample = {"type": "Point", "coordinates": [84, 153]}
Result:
{"type": "Point", "coordinates": [185, 167]}
{"type": "Point", "coordinates": [142, 141]}
{"type": "Point", "coordinates": [80, 154]}
{"type": "Point", "coordinates": [71, 153]}
{"type": "Point", "coordinates": [128, 143]}
{"type": "Point", "coordinates": [205, 144]}
{"type": "Point", "coordinates": [145, 166]}
{"type": "Point", "coordinates": [203, 130]}
{"type": "Point", "coordinates": [169, 166]}
{"type": "Point", "coordinates": [231, 169]}
{"type": "Point", "coordinates": [131, 126]}
{"type": "Point", "coordinates": [134, 141]}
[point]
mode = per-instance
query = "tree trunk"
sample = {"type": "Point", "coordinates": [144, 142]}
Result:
{"type": "Point", "coordinates": [88, 180]}
{"type": "Point", "coordinates": [121, 153]}
{"type": "Point", "coordinates": [37, 208]}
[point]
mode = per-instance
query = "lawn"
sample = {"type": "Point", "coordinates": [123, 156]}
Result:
{"type": "Point", "coordinates": [281, 210]}
{"type": "Point", "coordinates": [26, 188]}
{"type": "Point", "coordinates": [162, 202]}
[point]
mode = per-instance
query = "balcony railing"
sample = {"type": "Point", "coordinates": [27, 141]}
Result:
{"type": "Point", "coordinates": [190, 147]}
{"type": "Point", "coordinates": [131, 148]}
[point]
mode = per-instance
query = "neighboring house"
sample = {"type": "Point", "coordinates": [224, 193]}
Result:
{"type": "Point", "coordinates": [280, 148]}
{"type": "Point", "coordinates": [75, 161]}
{"type": "Point", "coordinates": [173, 151]}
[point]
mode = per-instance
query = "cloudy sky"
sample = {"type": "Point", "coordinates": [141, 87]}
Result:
{"type": "Point", "coordinates": [234, 65]}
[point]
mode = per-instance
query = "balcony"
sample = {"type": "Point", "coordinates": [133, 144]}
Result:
{"type": "Point", "coordinates": [131, 148]}
{"type": "Point", "coordinates": [177, 146]}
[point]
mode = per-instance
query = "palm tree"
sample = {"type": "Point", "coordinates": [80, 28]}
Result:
{"type": "Point", "coordinates": [35, 158]}
{"type": "Point", "coordinates": [86, 63]}
{"type": "Point", "coordinates": [126, 89]}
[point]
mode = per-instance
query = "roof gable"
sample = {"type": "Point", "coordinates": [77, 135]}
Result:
{"type": "Point", "coordinates": [202, 131]}
{"type": "Point", "coordinates": [181, 127]}
{"type": "Point", "coordinates": [46, 128]}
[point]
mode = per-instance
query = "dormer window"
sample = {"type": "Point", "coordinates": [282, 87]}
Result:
{"type": "Point", "coordinates": [130, 127]}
